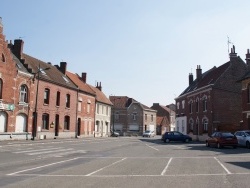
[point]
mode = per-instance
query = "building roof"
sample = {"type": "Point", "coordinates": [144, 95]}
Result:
{"type": "Point", "coordinates": [19, 65]}
{"type": "Point", "coordinates": [48, 72]}
{"type": "Point", "coordinates": [100, 96]}
{"type": "Point", "coordinates": [84, 87]}
{"type": "Point", "coordinates": [208, 78]}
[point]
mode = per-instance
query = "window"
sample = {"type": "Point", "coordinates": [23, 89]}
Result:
{"type": "Point", "coordinates": [205, 125]}
{"type": "Point", "coordinates": [1, 88]}
{"type": "Point", "coordinates": [134, 116]}
{"type": "Point", "coordinates": [146, 117]}
{"type": "Point", "coordinates": [197, 105]}
{"type": "Point", "coordinates": [152, 117]}
{"type": "Point", "coordinates": [107, 110]}
{"type": "Point", "coordinates": [66, 122]}
{"type": "Point", "coordinates": [45, 121]}
{"type": "Point", "coordinates": [191, 125]}
{"type": "Point", "coordinates": [190, 107]}
{"type": "Point", "coordinates": [183, 104]}
{"type": "Point", "coordinates": [204, 102]}
{"type": "Point", "coordinates": [23, 98]}
{"type": "Point", "coordinates": [3, 58]}
{"type": "Point", "coordinates": [68, 101]}
{"type": "Point", "coordinates": [117, 116]}
{"type": "Point", "coordinates": [88, 108]}
{"type": "Point", "coordinates": [97, 109]}
{"type": "Point", "coordinates": [46, 96]}
{"type": "Point", "coordinates": [58, 98]}
{"type": "Point", "coordinates": [79, 106]}
{"type": "Point", "coordinates": [178, 105]}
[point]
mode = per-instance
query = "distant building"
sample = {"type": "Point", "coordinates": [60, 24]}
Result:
{"type": "Point", "coordinates": [130, 117]}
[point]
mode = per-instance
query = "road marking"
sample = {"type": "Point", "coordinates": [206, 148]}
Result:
{"type": "Point", "coordinates": [152, 147]}
{"type": "Point", "coordinates": [27, 151]}
{"type": "Point", "coordinates": [166, 167]}
{"type": "Point", "coordinates": [105, 167]}
{"type": "Point", "coordinates": [228, 172]}
{"type": "Point", "coordinates": [42, 166]}
{"type": "Point", "coordinates": [54, 151]}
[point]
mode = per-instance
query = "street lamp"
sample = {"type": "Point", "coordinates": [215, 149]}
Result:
{"type": "Point", "coordinates": [34, 128]}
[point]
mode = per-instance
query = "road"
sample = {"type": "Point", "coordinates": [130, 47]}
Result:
{"type": "Point", "coordinates": [121, 162]}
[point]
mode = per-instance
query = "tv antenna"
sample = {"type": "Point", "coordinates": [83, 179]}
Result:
{"type": "Point", "coordinates": [228, 44]}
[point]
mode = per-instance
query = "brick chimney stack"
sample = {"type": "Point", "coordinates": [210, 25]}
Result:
{"type": "Point", "coordinates": [17, 48]}
{"type": "Point", "coordinates": [232, 54]}
{"type": "Point", "coordinates": [99, 86]}
{"type": "Point", "coordinates": [248, 58]}
{"type": "Point", "coordinates": [63, 67]}
{"type": "Point", "coordinates": [84, 77]}
{"type": "Point", "coordinates": [191, 78]}
{"type": "Point", "coordinates": [198, 73]}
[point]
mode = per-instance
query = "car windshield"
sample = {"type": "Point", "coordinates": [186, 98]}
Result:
{"type": "Point", "coordinates": [248, 133]}
{"type": "Point", "coordinates": [147, 131]}
{"type": "Point", "coordinates": [226, 134]}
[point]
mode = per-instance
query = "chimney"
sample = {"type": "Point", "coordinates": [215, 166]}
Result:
{"type": "Point", "coordinates": [84, 77]}
{"type": "Point", "coordinates": [191, 78]}
{"type": "Point", "coordinates": [232, 54]}
{"type": "Point", "coordinates": [17, 48]}
{"type": "Point", "coordinates": [248, 58]}
{"type": "Point", "coordinates": [99, 86]}
{"type": "Point", "coordinates": [63, 67]}
{"type": "Point", "coordinates": [198, 73]}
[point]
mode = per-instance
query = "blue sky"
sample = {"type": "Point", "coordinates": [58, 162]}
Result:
{"type": "Point", "coordinates": [144, 49]}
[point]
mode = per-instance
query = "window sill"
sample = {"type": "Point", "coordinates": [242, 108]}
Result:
{"type": "Point", "coordinates": [66, 130]}
{"type": "Point", "coordinates": [44, 130]}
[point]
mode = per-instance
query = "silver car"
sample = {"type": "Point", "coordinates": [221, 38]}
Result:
{"type": "Point", "coordinates": [243, 138]}
{"type": "Point", "coordinates": [148, 133]}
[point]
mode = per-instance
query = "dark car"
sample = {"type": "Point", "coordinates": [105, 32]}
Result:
{"type": "Point", "coordinates": [221, 139]}
{"type": "Point", "coordinates": [175, 136]}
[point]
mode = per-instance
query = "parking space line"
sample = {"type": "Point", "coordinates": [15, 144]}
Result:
{"type": "Point", "coordinates": [228, 172]}
{"type": "Point", "coordinates": [166, 167]}
{"type": "Point", "coordinates": [14, 173]}
{"type": "Point", "coordinates": [152, 147]}
{"type": "Point", "coordinates": [106, 167]}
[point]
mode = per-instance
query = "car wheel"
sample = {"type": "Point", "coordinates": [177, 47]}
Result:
{"type": "Point", "coordinates": [248, 144]}
{"type": "Point", "coordinates": [207, 144]}
{"type": "Point", "coordinates": [187, 140]}
{"type": "Point", "coordinates": [167, 140]}
{"type": "Point", "coordinates": [218, 145]}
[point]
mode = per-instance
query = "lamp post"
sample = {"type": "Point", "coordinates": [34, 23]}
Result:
{"type": "Point", "coordinates": [34, 128]}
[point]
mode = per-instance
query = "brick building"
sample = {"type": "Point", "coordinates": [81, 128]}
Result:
{"type": "Point", "coordinates": [212, 101]}
{"type": "Point", "coordinates": [53, 102]}
{"type": "Point", "coordinates": [86, 105]}
{"type": "Point", "coordinates": [16, 87]}
{"type": "Point", "coordinates": [245, 81]}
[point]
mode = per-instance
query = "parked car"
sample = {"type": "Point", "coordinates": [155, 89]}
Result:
{"type": "Point", "coordinates": [243, 138]}
{"type": "Point", "coordinates": [175, 136]}
{"type": "Point", "coordinates": [148, 133]}
{"type": "Point", "coordinates": [114, 134]}
{"type": "Point", "coordinates": [221, 139]}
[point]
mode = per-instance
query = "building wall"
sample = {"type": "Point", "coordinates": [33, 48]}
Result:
{"type": "Point", "coordinates": [102, 120]}
{"type": "Point", "coordinates": [86, 114]}
{"type": "Point", "coordinates": [52, 109]}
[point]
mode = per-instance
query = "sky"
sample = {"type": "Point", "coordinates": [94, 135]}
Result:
{"type": "Point", "coordinates": [143, 49]}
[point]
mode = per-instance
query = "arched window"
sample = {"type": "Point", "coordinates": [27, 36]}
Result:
{"type": "Point", "coordinates": [191, 125]}
{"type": "Point", "coordinates": [1, 88]}
{"type": "Point", "coordinates": [23, 96]}
{"type": "Point", "coordinates": [205, 125]}
{"type": "Point", "coordinates": [67, 100]}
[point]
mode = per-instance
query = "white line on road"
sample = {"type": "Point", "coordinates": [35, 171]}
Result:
{"type": "Point", "coordinates": [152, 147]}
{"type": "Point", "coordinates": [41, 166]}
{"type": "Point", "coordinates": [27, 151]}
{"type": "Point", "coordinates": [105, 167]}
{"type": "Point", "coordinates": [228, 172]}
{"type": "Point", "coordinates": [54, 151]}
{"type": "Point", "coordinates": [166, 167]}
